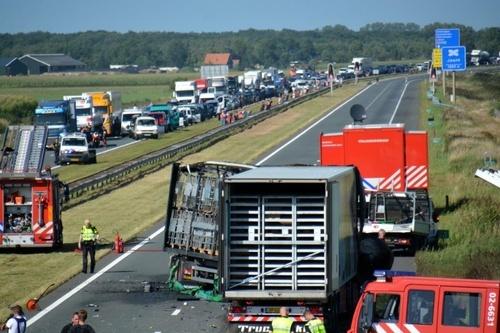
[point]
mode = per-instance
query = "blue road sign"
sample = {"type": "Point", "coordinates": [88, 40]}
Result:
{"type": "Point", "coordinates": [447, 37]}
{"type": "Point", "coordinates": [453, 58]}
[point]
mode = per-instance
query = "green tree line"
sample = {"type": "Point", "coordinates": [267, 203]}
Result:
{"type": "Point", "coordinates": [381, 41]}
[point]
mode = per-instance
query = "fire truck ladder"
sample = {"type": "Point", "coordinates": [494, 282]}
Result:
{"type": "Point", "coordinates": [29, 149]}
{"type": "Point", "coordinates": [37, 151]}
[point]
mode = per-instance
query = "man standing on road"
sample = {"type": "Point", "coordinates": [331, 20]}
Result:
{"type": "Point", "coordinates": [87, 243]}
{"type": "Point", "coordinates": [282, 324]}
{"type": "Point", "coordinates": [75, 320]}
{"type": "Point", "coordinates": [313, 325]}
{"type": "Point", "coordinates": [57, 148]}
{"type": "Point", "coordinates": [82, 326]}
{"type": "Point", "coordinates": [17, 321]}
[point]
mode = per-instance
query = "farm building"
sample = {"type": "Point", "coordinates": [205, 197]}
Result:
{"type": "Point", "coordinates": [43, 63]}
{"type": "Point", "coordinates": [218, 59]}
{"type": "Point", "coordinates": [14, 67]}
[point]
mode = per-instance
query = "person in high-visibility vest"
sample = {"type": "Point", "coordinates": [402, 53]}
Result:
{"type": "Point", "coordinates": [282, 324]}
{"type": "Point", "coordinates": [87, 243]}
{"type": "Point", "coordinates": [313, 324]}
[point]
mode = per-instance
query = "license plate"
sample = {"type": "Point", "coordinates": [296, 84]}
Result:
{"type": "Point", "coordinates": [75, 160]}
{"type": "Point", "coordinates": [273, 310]}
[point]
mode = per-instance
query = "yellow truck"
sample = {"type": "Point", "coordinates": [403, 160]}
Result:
{"type": "Point", "coordinates": [106, 110]}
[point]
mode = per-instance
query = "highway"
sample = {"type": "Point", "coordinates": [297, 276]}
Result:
{"type": "Point", "coordinates": [115, 296]}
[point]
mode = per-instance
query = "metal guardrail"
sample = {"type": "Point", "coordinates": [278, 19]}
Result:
{"type": "Point", "coordinates": [197, 143]}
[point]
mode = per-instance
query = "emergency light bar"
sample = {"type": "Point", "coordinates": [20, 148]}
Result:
{"type": "Point", "coordinates": [387, 275]}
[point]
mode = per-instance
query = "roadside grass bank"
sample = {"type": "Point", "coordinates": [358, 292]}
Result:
{"type": "Point", "coordinates": [136, 207]}
{"type": "Point", "coordinates": [459, 138]}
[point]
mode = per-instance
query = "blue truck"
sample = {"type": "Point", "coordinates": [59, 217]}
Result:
{"type": "Point", "coordinates": [58, 115]}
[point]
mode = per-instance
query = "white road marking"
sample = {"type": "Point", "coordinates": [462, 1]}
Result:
{"type": "Point", "coordinates": [399, 101]}
{"type": "Point", "coordinates": [176, 312]}
{"type": "Point", "coordinates": [91, 279]}
{"type": "Point", "coordinates": [378, 96]}
{"type": "Point", "coordinates": [107, 151]}
{"type": "Point", "coordinates": [312, 126]}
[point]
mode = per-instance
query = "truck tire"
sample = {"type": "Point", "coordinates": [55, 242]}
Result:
{"type": "Point", "coordinates": [331, 312]}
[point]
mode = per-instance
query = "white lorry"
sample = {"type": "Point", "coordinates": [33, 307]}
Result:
{"type": "Point", "coordinates": [127, 117]}
{"type": "Point", "coordinates": [83, 110]}
{"type": "Point", "coordinates": [219, 85]}
{"type": "Point", "coordinates": [479, 57]}
{"type": "Point", "coordinates": [252, 79]}
{"type": "Point", "coordinates": [185, 92]}
{"type": "Point", "coordinates": [361, 66]}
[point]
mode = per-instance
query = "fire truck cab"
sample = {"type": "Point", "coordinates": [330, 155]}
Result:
{"type": "Point", "coordinates": [395, 303]}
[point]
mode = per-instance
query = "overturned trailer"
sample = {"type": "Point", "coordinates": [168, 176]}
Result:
{"type": "Point", "coordinates": [191, 224]}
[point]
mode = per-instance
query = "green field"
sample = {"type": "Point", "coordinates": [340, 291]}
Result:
{"type": "Point", "coordinates": [138, 95]}
{"type": "Point", "coordinates": [459, 139]}
{"type": "Point", "coordinates": [135, 89]}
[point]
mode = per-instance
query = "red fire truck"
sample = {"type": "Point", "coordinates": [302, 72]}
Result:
{"type": "Point", "coordinates": [394, 166]}
{"type": "Point", "coordinates": [30, 197]}
{"type": "Point", "coordinates": [408, 304]}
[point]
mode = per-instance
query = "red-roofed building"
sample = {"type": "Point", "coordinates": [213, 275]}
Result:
{"type": "Point", "coordinates": [218, 59]}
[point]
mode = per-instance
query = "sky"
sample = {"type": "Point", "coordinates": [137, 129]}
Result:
{"type": "Point", "coordinates": [233, 15]}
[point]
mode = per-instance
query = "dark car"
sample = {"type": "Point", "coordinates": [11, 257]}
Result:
{"type": "Point", "coordinates": [212, 106]}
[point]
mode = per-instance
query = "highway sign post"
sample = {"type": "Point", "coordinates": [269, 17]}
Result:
{"type": "Point", "coordinates": [443, 38]}
{"type": "Point", "coordinates": [453, 60]}
{"type": "Point", "coordinates": [447, 37]}
{"type": "Point", "coordinates": [436, 58]}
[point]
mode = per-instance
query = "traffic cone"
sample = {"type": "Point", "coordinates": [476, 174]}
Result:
{"type": "Point", "coordinates": [118, 243]}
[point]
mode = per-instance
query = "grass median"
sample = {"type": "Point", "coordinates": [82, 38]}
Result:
{"type": "Point", "coordinates": [459, 139]}
{"type": "Point", "coordinates": [139, 205]}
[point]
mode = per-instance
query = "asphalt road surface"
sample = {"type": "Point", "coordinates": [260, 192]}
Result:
{"type": "Point", "coordinates": [115, 297]}
{"type": "Point", "coordinates": [112, 144]}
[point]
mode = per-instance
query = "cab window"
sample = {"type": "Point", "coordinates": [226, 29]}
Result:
{"type": "Point", "coordinates": [386, 308]}
{"type": "Point", "coordinates": [461, 309]}
{"type": "Point", "coordinates": [420, 307]}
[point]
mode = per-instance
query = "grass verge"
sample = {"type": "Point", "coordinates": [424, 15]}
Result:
{"type": "Point", "coordinates": [459, 138]}
{"type": "Point", "coordinates": [149, 195]}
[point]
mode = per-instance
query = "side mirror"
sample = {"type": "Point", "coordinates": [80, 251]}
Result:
{"type": "Point", "coordinates": [366, 316]}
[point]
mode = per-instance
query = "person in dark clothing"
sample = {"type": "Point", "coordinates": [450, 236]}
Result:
{"type": "Point", "coordinates": [57, 149]}
{"type": "Point", "coordinates": [82, 326]}
{"type": "Point", "coordinates": [75, 320]}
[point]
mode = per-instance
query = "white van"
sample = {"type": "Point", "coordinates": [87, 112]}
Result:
{"type": "Point", "coordinates": [127, 116]}
{"type": "Point", "coordinates": [144, 127]}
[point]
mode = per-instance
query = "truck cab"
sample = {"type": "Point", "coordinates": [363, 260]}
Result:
{"type": "Point", "coordinates": [398, 303]}
{"type": "Point", "coordinates": [58, 116]}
